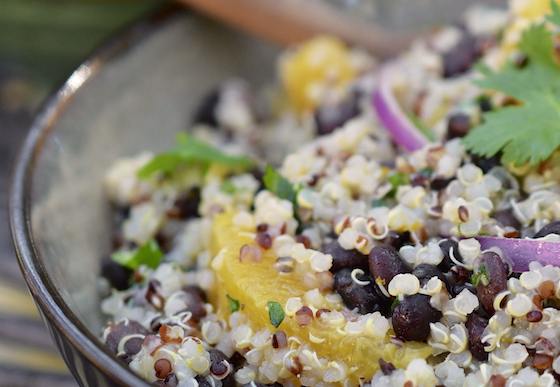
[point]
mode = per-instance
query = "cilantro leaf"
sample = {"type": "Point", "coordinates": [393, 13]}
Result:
{"type": "Point", "coordinates": [275, 313]}
{"type": "Point", "coordinates": [278, 184]}
{"type": "Point", "coordinates": [191, 151]}
{"type": "Point", "coordinates": [530, 131]}
{"type": "Point", "coordinates": [148, 254]}
{"type": "Point", "coordinates": [554, 17]}
{"type": "Point", "coordinates": [234, 305]}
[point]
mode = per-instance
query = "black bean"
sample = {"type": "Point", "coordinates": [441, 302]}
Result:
{"type": "Point", "coordinates": [205, 113]}
{"type": "Point", "coordinates": [506, 218]}
{"type": "Point", "coordinates": [121, 329]}
{"type": "Point", "coordinates": [329, 117]}
{"type": "Point", "coordinates": [461, 57]}
{"type": "Point", "coordinates": [458, 125]}
{"type": "Point", "coordinates": [459, 275]}
{"type": "Point", "coordinates": [486, 163]}
{"type": "Point", "coordinates": [551, 228]}
{"type": "Point", "coordinates": [496, 271]}
{"type": "Point", "coordinates": [475, 327]}
{"type": "Point", "coordinates": [424, 272]}
{"type": "Point", "coordinates": [385, 263]}
{"type": "Point", "coordinates": [412, 317]}
{"type": "Point", "coordinates": [117, 275]}
{"type": "Point", "coordinates": [343, 258]}
{"type": "Point", "coordinates": [445, 245]}
{"type": "Point", "coordinates": [397, 239]}
{"type": "Point", "coordinates": [186, 205]}
{"type": "Point", "coordinates": [440, 183]}
{"type": "Point", "coordinates": [366, 299]}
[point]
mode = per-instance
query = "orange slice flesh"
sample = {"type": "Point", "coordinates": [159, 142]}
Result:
{"type": "Point", "coordinates": [253, 284]}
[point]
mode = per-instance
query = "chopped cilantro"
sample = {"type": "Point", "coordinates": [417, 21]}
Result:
{"type": "Point", "coordinates": [191, 151]}
{"type": "Point", "coordinates": [396, 180]}
{"type": "Point", "coordinates": [480, 277]}
{"type": "Point", "coordinates": [228, 187]}
{"type": "Point", "coordinates": [530, 131]}
{"type": "Point", "coordinates": [275, 313]}
{"type": "Point", "coordinates": [148, 254]}
{"type": "Point", "coordinates": [278, 184]}
{"type": "Point", "coordinates": [234, 305]}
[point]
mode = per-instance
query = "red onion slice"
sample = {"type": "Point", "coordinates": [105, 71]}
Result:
{"type": "Point", "coordinates": [392, 117]}
{"type": "Point", "coordinates": [523, 251]}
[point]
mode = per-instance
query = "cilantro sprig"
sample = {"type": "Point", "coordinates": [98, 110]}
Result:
{"type": "Point", "coordinates": [480, 277]}
{"type": "Point", "coordinates": [528, 132]}
{"type": "Point", "coordinates": [148, 254]}
{"type": "Point", "coordinates": [192, 152]}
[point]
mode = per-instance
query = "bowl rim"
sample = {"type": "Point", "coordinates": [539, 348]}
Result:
{"type": "Point", "coordinates": [50, 302]}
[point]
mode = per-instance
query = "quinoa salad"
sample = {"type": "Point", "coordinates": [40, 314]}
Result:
{"type": "Point", "coordinates": [355, 223]}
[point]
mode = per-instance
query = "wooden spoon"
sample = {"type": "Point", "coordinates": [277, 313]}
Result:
{"type": "Point", "coordinates": [291, 21]}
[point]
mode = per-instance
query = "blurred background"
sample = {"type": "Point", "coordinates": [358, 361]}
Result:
{"type": "Point", "coordinates": [41, 41]}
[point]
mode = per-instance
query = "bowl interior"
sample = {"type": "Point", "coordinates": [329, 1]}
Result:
{"type": "Point", "coordinates": [137, 101]}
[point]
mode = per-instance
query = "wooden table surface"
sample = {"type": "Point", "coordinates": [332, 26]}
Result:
{"type": "Point", "coordinates": [27, 354]}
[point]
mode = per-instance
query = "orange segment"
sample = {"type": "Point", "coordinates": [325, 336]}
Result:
{"type": "Point", "coordinates": [323, 62]}
{"type": "Point", "coordinates": [254, 284]}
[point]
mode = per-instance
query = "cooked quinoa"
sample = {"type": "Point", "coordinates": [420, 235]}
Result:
{"type": "Point", "coordinates": [354, 262]}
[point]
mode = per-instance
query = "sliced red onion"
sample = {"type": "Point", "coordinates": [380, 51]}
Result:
{"type": "Point", "coordinates": [392, 117]}
{"type": "Point", "coordinates": [523, 251]}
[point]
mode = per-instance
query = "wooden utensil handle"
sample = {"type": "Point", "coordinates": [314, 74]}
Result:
{"type": "Point", "coordinates": [292, 21]}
